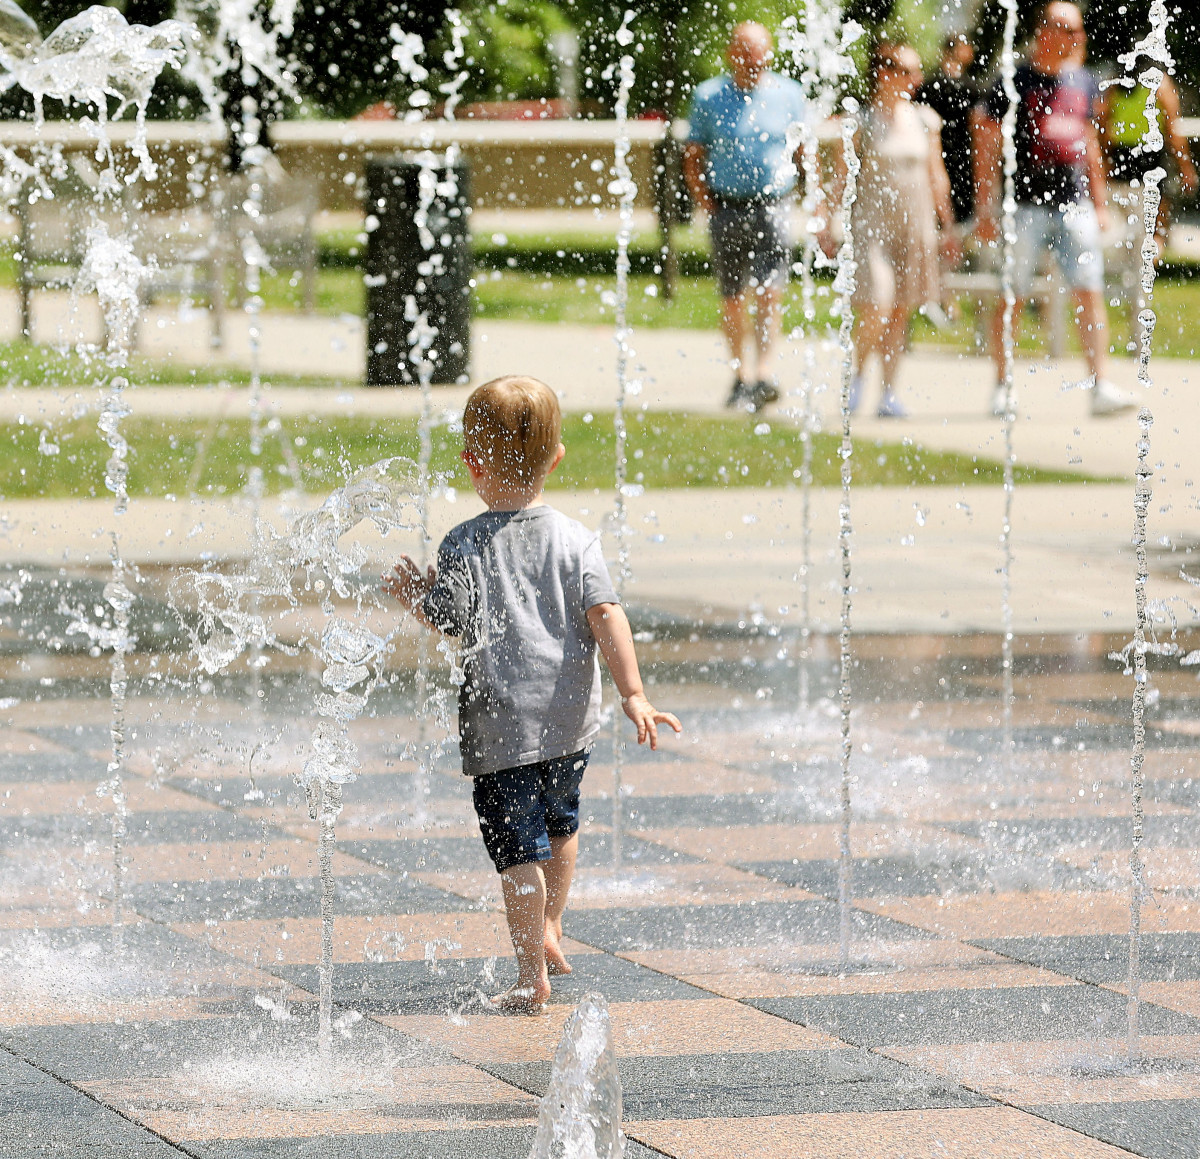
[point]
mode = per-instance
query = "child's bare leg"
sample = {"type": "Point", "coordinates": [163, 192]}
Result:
{"type": "Point", "coordinates": [559, 872]}
{"type": "Point", "coordinates": [525, 907]}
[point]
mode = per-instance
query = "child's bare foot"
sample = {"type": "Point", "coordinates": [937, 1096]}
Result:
{"type": "Point", "coordinates": [521, 1000]}
{"type": "Point", "coordinates": [556, 963]}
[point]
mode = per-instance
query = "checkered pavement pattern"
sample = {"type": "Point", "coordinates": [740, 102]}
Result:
{"type": "Point", "coordinates": [983, 1012]}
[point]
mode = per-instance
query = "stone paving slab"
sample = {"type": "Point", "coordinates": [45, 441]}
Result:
{"type": "Point", "coordinates": [1104, 958]}
{"type": "Point", "coordinates": [1157, 1129]}
{"type": "Point", "coordinates": [764, 1083]}
{"type": "Point", "coordinates": [993, 1015]}
{"type": "Point", "coordinates": [982, 1010]}
{"type": "Point", "coordinates": [494, 1142]}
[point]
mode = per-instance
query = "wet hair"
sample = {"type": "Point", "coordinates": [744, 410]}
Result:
{"type": "Point", "coordinates": [512, 427]}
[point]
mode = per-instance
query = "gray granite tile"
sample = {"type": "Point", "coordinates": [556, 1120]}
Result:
{"type": "Point", "coordinates": [458, 983]}
{"type": "Point", "coordinates": [438, 853]}
{"type": "Point", "coordinates": [16, 1072]}
{"type": "Point", "coordinates": [1157, 1128]}
{"type": "Point", "coordinates": [167, 826]}
{"type": "Point", "coordinates": [54, 1121]}
{"type": "Point", "coordinates": [1047, 835]}
{"type": "Point", "coordinates": [84, 738]}
{"type": "Point", "coordinates": [280, 897]}
{"type": "Point", "coordinates": [875, 876]}
{"type": "Point", "coordinates": [702, 810]}
{"type": "Point", "coordinates": [475, 1143]}
{"type": "Point", "coordinates": [283, 792]}
{"type": "Point", "coordinates": [768, 1083]}
{"type": "Point", "coordinates": [714, 926]}
{"type": "Point", "coordinates": [1019, 1014]}
{"type": "Point", "coordinates": [92, 1051]}
{"type": "Point", "coordinates": [1104, 958]}
{"type": "Point", "coordinates": [1093, 736]}
{"type": "Point", "coordinates": [47, 768]}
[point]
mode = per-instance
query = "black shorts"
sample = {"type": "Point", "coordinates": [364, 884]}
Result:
{"type": "Point", "coordinates": [520, 809]}
{"type": "Point", "coordinates": [749, 245]}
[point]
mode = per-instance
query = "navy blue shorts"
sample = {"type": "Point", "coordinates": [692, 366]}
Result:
{"type": "Point", "coordinates": [520, 809]}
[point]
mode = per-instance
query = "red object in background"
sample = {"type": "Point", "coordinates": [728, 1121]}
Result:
{"type": "Point", "coordinates": [380, 111]}
{"type": "Point", "coordinates": [541, 110]}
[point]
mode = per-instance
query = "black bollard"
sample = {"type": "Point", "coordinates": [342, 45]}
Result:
{"type": "Point", "coordinates": [405, 278]}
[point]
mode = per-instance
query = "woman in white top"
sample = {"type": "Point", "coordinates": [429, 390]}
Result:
{"type": "Point", "coordinates": [903, 193]}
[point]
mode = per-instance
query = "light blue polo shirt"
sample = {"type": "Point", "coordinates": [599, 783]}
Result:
{"type": "Point", "coordinates": [745, 133]}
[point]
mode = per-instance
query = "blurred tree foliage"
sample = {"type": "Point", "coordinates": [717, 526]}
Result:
{"type": "Point", "coordinates": [344, 49]}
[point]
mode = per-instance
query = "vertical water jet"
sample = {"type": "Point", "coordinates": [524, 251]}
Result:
{"type": "Point", "coordinates": [1008, 71]}
{"type": "Point", "coordinates": [1154, 48]}
{"type": "Point", "coordinates": [625, 188]}
{"type": "Point", "coordinates": [1137, 869]}
{"type": "Point", "coordinates": [844, 286]}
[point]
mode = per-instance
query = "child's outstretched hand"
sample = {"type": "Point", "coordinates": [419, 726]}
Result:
{"type": "Point", "coordinates": [406, 583]}
{"type": "Point", "coordinates": [647, 718]}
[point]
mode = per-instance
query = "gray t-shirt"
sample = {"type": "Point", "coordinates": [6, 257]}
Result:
{"type": "Point", "coordinates": [516, 586]}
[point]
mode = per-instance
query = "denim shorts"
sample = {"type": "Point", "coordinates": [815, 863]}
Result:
{"type": "Point", "coordinates": [1071, 234]}
{"type": "Point", "coordinates": [749, 245]}
{"type": "Point", "coordinates": [520, 809]}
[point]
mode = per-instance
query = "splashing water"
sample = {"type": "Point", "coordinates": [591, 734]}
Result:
{"type": "Point", "coordinates": [437, 178]}
{"type": "Point", "coordinates": [19, 35]}
{"type": "Point", "coordinates": [1153, 47]}
{"type": "Point", "coordinates": [236, 612]}
{"type": "Point", "coordinates": [625, 188]}
{"type": "Point", "coordinates": [1008, 70]}
{"type": "Point", "coordinates": [1137, 888]}
{"type": "Point", "coordinates": [244, 36]}
{"type": "Point", "coordinates": [844, 286]}
{"type": "Point", "coordinates": [580, 1116]}
{"type": "Point", "coordinates": [820, 54]}
{"type": "Point", "coordinates": [92, 58]}
{"type": "Point", "coordinates": [87, 60]}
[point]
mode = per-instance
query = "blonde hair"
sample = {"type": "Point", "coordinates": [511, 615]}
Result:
{"type": "Point", "coordinates": [512, 427]}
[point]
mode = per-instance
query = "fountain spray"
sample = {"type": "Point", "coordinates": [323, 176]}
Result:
{"type": "Point", "coordinates": [626, 190]}
{"type": "Point", "coordinates": [1008, 67]}
{"type": "Point", "coordinates": [235, 613]}
{"type": "Point", "coordinates": [437, 179]}
{"type": "Point", "coordinates": [1137, 870]}
{"type": "Point", "coordinates": [844, 286]}
{"type": "Point", "coordinates": [89, 60]}
{"type": "Point", "coordinates": [819, 52]}
{"type": "Point", "coordinates": [1154, 48]}
{"type": "Point", "coordinates": [580, 1113]}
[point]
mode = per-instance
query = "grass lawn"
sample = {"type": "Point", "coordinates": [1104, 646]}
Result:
{"type": "Point", "coordinates": [665, 450]}
{"type": "Point", "coordinates": [540, 296]}
{"type": "Point", "coordinates": [569, 277]}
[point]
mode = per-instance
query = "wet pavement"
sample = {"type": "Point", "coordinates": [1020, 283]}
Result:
{"type": "Point", "coordinates": [983, 1012]}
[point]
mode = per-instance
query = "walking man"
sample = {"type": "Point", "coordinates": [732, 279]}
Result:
{"type": "Point", "coordinates": [1061, 195]}
{"type": "Point", "coordinates": [740, 171]}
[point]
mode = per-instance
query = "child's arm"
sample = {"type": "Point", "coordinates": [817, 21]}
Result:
{"type": "Point", "coordinates": [406, 583]}
{"type": "Point", "coordinates": [614, 637]}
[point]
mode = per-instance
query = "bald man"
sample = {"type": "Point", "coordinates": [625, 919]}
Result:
{"type": "Point", "coordinates": [740, 171]}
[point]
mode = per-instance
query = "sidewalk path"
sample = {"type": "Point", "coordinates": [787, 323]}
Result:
{"type": "Point", "coordinates": [924, 558]}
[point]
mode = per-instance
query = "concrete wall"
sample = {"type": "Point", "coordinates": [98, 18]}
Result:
{"type": "Point", "coordinates": [520, 165]}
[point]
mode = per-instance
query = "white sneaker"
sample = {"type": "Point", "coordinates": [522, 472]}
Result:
{"type": "Point", "coordinates": [1108, 399]}
{"type": "Point", "coordinates": [998, 401]}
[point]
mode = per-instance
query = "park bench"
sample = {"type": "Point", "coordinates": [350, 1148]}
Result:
{"type": "Point", "coordinates": [177, 246]}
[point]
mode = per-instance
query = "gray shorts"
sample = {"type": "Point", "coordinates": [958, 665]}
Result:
{"type": "Point", "coordinates": [749, 245]}
{"type": "Point", "coordinates": [1071, 234]}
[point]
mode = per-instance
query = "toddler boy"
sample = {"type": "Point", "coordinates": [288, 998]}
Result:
{"type": "Point", "coordinates": [527, 592]}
